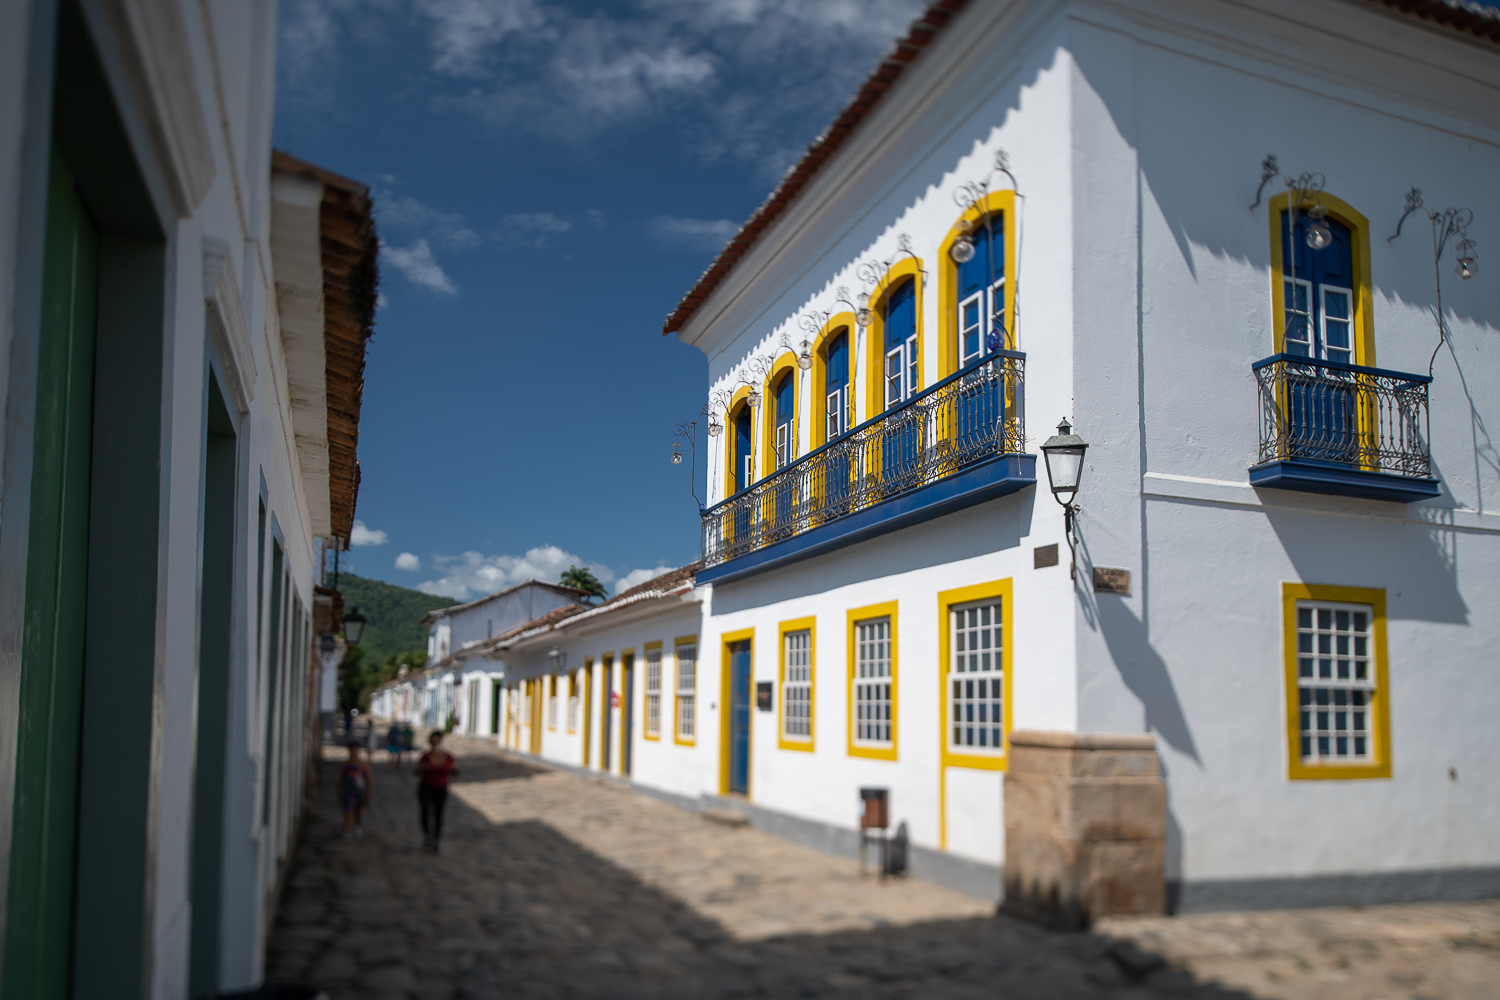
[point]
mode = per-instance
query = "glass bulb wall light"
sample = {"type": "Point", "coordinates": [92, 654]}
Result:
{"type": "Point", "coordinates": [754, 396]}
{"type": "Point", "coordinates": [1318, 234]}
{"type": "Point", "coordinates": [714, 427]}
{"type": "Point", "coordinates": [676, 453]}
{"type": "Point", "coordinates": [1466, 267]}
{"type": "Point", "coordinates": [962, 250]}
{"type": "Point", "coordinates": [804, 360]}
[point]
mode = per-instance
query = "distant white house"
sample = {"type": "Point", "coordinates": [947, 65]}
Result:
{"type": "Point", "coordinates": [447, 687]}
{"type": "Point", "coordinates": [1258, 651]}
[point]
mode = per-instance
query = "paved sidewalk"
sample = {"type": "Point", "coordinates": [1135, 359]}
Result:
{"type": "Point", "coordinates": [555, 885]}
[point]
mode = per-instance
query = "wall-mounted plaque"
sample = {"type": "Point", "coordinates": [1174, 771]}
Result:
{"type": "Point", "coordinates": [763, 691]}
{"type": "Point", "coordinates": [1108, 580]}
{"type": "Point", "coordinates": [1043, 556]}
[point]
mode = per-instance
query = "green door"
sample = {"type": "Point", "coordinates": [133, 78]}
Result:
{"type": "Point", "coordinates": [39, 934]}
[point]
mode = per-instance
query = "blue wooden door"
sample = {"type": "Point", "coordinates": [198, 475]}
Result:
{"type": "Point", "coordinates": [739, 718]}
{"type": "Point", "coordinates": [1318, 303]}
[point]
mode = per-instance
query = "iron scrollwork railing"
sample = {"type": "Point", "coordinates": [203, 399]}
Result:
{"type": "Point", "coordinates": [974, 415]}
{"type": "Point", "coordinates": [1366, 419]}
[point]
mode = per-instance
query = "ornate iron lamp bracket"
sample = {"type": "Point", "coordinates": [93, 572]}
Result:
{"type": "Point", "coordinates": [1449, 224]}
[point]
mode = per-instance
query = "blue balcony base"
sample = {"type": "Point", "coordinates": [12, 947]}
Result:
{"type": "Point", "coordinates": [1309, 476]}
{"type": "Point", "coordinates": [976, 484]}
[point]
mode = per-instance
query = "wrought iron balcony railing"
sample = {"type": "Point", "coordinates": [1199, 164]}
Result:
{"type": "Point", "coordinates": [1327, 413]}
{"type": "Point", "coordinates": [964, 420]}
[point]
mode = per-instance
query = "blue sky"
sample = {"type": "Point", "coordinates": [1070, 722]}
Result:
{"type": "Point", "coordinates": [550, 178]}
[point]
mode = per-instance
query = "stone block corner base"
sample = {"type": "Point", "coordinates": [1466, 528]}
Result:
{"type": "Point", "coordinates": [1085, 827]}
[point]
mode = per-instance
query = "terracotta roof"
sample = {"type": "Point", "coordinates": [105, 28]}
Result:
{"type": "Point", "coordinates": [566, 591]}
{"type": "Point", "coordinates": [1465, 16]}
{"type": "Point", "coordinates": [351, 275]}
{"type": "Point", "coordinates": [1468, 17]}
{"type": "Point", "coordinates": [923, 31]}
{"type": "Point", "coordinates": [541, 623]}
{"type": "Point", "coordinates": [668, 581]}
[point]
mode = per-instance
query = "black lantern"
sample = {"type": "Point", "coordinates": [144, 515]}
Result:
{"type": "Point", "coordinates": [1064, 454]}
{"type": "Point", "coordinates": [354, 624]}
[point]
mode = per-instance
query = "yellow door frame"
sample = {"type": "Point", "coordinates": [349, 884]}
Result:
{"type": "Point", "coordinates": [726, 708]}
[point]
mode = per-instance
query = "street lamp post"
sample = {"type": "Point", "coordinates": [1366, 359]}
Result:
{"type": "Point", "coordinates": [1064, 454]}
{"type": "Point", "coordinates": [354, 625]}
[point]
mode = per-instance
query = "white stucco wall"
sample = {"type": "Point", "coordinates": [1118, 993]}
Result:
{"type": "Point", "coordinates": [1136, 133]}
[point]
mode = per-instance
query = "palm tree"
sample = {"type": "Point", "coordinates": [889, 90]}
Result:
{"type": "Point", "coordinates": [580, 578]}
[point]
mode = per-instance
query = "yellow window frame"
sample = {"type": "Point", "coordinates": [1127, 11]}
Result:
{"type": "Point", "coordinates": [947, 600]}
{"type": "Point", "coordinates": [741, 396]}
{"type": "Point", "coordinates": [905, 268]}
{"type": "Point", "coordinates": [846, 324]}
{"type": "Point", "coordinates": [1380, 728]}
{"type": "Point", "coordinates": [677, 644]}
{"type": "Point", "coordinates": [871, 612]}
{"type": "Point", "coordinates": [810, 626]}
{"type": "Point", "coordinates": [661, 674]}
{"type": "Point", "coordinates": [1364, 307]}
{"type": "Point", "coordinates": [1002, 203]}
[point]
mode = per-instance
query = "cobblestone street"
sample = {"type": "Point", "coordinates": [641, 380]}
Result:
{"type": "Point", "coordinates": [555, 885]}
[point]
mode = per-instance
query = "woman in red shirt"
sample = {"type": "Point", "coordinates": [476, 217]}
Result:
{"type": "Point", "coordinates": [436, 768]}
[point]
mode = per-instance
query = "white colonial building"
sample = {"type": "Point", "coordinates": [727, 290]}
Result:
{"type": "Point", "coordinates": [183, 320]}
{"type": "Point", "coordinates": [1254, 672]}
{"type": "Point", "coordinates": [463, 689]}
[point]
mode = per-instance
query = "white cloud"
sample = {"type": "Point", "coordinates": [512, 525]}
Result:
{"type": "Point", "coordinates": [464, 29]}
{"type": "Point", "coordinates": [530, 229]}
{"type": "Point", "coordinates": [362, 535]}
{"type": "Point", "coordinates": [419, 266]}
{"type": "Point", "coordinates": [473, 574]}
{"type": "Point", "coordinates": [639, 576]}
{"type": "Point", "coordinates": [408, 561]}
{"type": "Point", "coordinates": [746, 79]}
{"type": "Point", "coordinates": [405, 214]}
{"type": "Point", "coordinates": [699, 234]}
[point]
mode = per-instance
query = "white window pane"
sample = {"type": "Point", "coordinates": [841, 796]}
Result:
{"type": "Point", "coordinates": [976, 684]}
{"type": "Point", "coordinates": [872, 687]}
{"type": "Point", "coordinates": [1335, 687]}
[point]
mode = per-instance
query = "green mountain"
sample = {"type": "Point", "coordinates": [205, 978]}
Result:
{"type": "Point", "coordinates": [394, 616]}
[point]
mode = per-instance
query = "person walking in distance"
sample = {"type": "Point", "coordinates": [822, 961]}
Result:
{"type": "Point", "coordinates": [355, 785]}
{"type": "Point", "coordinates": [393, 744]}
{"type": "Point", "coordinates": [435, 768]}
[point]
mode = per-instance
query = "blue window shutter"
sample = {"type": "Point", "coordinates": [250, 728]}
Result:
{"type": "Point", "coordinates": [836, 373]}
{"type": "Point", "coordinates": [784, 399]}
{"type": "Point", "coordinates": [900, 314]}
{"type": "Point", "coordinates": [742, 448]}
{"type": "Point", "coordinates": [988, 263]}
